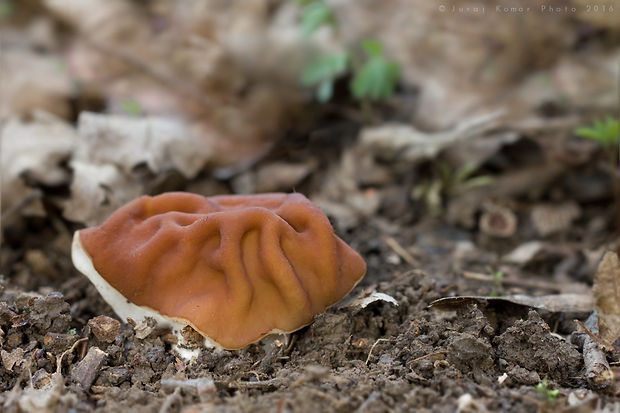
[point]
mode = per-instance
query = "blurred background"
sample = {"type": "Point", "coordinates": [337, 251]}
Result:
{"type": "Point", "coordinates": [456, 119]}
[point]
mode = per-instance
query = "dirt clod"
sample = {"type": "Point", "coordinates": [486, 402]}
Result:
{"type": "Point", "coordinates": [530, 344]}
{"type": "Point", "coordinates": [105, 328]}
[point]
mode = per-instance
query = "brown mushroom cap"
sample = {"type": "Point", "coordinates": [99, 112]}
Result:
{"type": "Point", "coordinates": [235, 268]}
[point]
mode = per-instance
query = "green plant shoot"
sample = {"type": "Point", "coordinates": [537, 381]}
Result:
{"type": "Point", "coordinates": [315, 14]}
{"type": "Point", "coordinates": [323, 72]}
{"type": "Point", "coordinates": [604, 132]}
{"type": "Point", "coordinates": [543, 390]}
{"type": "Point", "coordinates": [377, 77]}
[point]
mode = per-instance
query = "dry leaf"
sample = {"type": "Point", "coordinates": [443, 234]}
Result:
{"type": "Point", "coordinates": [96, 191]}
{"type": "Point", "coordinates": [366, 299]}
{"type": "Point", "coordinates": [404, 142]}
{"type": "Point", "coordinates": [160, 143]}
{"type": "Point", "coordinates": [54, 141]}
{"type": "Point", "coordinates": [532, 251]}
{"type": "Point", "coordinates": [606, 291]}
{"type": "Point", "coordinates": [109, 150]}
{"type": "Point", "coordinates": [556, 303]}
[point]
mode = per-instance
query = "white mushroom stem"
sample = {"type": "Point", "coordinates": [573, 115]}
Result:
{"type": "Point", "coordinates": [125, 308]}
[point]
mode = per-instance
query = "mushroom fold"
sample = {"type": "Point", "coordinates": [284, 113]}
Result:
{"type": "Point", "coordinates": [235, 268]}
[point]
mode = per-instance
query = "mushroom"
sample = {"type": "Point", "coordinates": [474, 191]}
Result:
{"type": "Point", "coordinates": [235, 268]}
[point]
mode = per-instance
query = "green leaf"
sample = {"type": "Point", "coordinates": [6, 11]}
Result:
{"type": "Point", "coordinates": [314, 15]}
{"type": "Point", "coordinates": [477, 182]}
{"type": "Point", "coordinates": [604, 132]}
{"type": "Point", "coordinates": [372, 47]}
{"type": "Point", "coordinates": [376, 79]}
{"type": "Point", "coordinates": [464, 172]}
{"type": "Point", "coordinates": [325, 68]}
{"type": "Point", "coordinates": [588, 133]}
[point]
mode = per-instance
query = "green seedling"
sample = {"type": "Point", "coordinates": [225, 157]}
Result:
{"type": "Point", "coordinates": [604, 132]}
{"type": "Point", "coordinates": [462, 179]}
{"type": "Point", "coordinates": [323, 72]}
{"type": "Point", "coordinates": [373, 76]}
{"type": "Point", "coordinates": [376, 79]}
{"type": "Point", "coordinates": [448, 182]}
{"type": "Point", "coordinates": [546, 393]}
{"type": "Point", "coordinates": [314, 14]}
{"type": "Point", "coordinates": [71, 331]}
{"type": "Point", "coordinates": [498, 277]}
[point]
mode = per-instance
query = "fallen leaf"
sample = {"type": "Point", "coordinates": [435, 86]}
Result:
{"type": "Point", "coordinates": [96, 192]}
{"type": "Point", "coordinates": [531, 251]}
{"type": "Point", "coordinates": [109, 150]}
{"type": "Point", "coordinates": [23, 167]}
{"type": "Point", "coordinates": [374, 296]}
{"type": "Point", "coordinates": [160, 143]}
{"type": "Point", "coordinates": [606, 290]}
{"type": "Point", "coordinates": [556, 303]}
{"type": "Point", "coordinates": [406, 143]}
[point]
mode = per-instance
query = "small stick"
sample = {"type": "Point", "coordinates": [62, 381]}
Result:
{"type": "Point", "coordinates": [59, 360]}
{"type": "Point", "coordinates": [373, 347]}
{"type": "Point", "coordinates": [514, 282]}
{"type": "Point", "coordinates": [84, 347]}
{"type": "Point", "coordinates": [170, 400]}
{"type": "Point", "coordinates": [598, 373]}
{"type": "Point", "coordinates": [252, 384]}
{"type": "Point", "coordinates": [440, 355]}
{"type": "Point", "coordinates": [398, 249]}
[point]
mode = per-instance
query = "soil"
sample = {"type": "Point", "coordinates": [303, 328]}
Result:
{"type": "Point", "coordinates": [379, 358]}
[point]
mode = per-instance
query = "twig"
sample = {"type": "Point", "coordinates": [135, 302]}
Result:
{"type": "Point", "coordinates": [598, 340]}
{"type": "Point", "coordinates": [373, 347]}
{"type": "Point", "coordinates": [85, 334]}
{"type": "Point", "coordinates": [170, 400]}
{"type": "Point", "coordinates": [398, 249]}
{"type": "Point", "coordinates": [252, 384]}
{"type": "Point", "coordinates": [598, 373]}
{"type": "Point", "coordinates": [513, 282]}
{"type": "Point", "coordinates": [440, 355]}
{"type": "Point", "coordinates": [59, 360]}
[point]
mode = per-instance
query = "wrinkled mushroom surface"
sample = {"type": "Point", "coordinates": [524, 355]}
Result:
{"type": "Point", "coordinates": [235, 268]}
